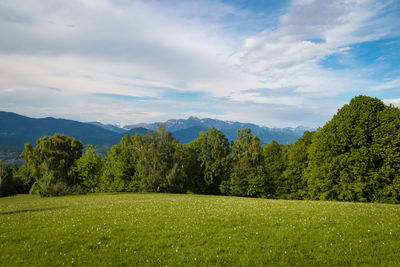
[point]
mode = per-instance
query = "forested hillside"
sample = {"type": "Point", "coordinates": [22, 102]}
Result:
{"type": "Point", "coordinates": [353, 157]}
{"type": "Point", "coordinates": [16, 129]}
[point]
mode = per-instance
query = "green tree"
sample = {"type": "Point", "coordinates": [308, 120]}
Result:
{"type": "Point", "coordinates": [210, 161]}
{"type": "Point", "coordinates": [275, 164]}
{"type": "Point", "coordinates": [248, 176]}
{"type": "Point", "coordinates": [296, 164]}
{"type": "Point", "coordinates": [350, 157]}
{"type": "Point", "coordinates": [89, 168]}
{"type": "Point", "coordinates": [161, 166]}
{"type": "Point", "coordinates": [120, 167]}
{"type": "Point", "coordinates": [387, 150]}
{"type": "Point", "coordinates": [51, 163]}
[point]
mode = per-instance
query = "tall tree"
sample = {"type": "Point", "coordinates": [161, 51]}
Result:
{"type": "Point", "coordinates": [161, 167]}
{"type": "Point", "coordinates": [275, 164]}
{"type": "Point", "coordinates": [296, 164]}
{"type": "Point", "coordinates": [119, 172]}
{"type": "Point", "coordinates": [348, 156]}
{"type": "Point", "coordinates": [89, 168]}
{"type": "Point", "coordinates": [248, 176]}
{"type": "Point", "coordinates": [210, 161]}
{"type": "Point", "coordinates": [387, 150]}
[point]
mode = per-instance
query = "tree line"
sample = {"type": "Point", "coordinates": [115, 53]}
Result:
{"type": "Point", "coordinates": [353, 157]}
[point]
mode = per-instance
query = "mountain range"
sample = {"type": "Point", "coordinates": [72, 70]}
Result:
{"type": "Point", "coordinates": [174, 125]}
{"type": "Point", "coordinates": [187, 130]}
{"type": "Point", "coordinates": [16, 130]}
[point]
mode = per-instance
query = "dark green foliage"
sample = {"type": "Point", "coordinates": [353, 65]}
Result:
{"type": "Point", "coordinates": [89, 168]}
{"type": "Point", "coordinates": [355, 156]}
{"type": "Point", "coordinates": [6, 180]}
{"type": "Point", "coordinates": [247, 176]}
{"type": "Point", "coordinates": [209, 162]}
{"type": "Point", "coordinates": [275, 164]}
{"type": "Point", "coordinates": [51, 163]}
{"type": "Point", "coordinates": [11, 180]}
{"type": "Point", "coordinates": [23, 179]}
{"type": "Point", "coordinates": [387, 150]}
{"type": "Point", "coordinates": [296, 163]}
{"type": "Point", "coordinates": [285, 165]}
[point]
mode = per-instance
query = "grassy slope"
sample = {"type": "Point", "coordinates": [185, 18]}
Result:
{"type": "Point", "coordinates": [167, 229]}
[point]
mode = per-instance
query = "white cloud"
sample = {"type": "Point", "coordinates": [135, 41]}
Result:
{"type": "Point", "coordinates": [391, 84]}
{"type": "Point", "coordinates": [75, 75]}
{"type": "Point", "coordinates": [393, 101]}
{"type": "Point", "coordinates": [63, 51]}
{"type": "Point", "coordinates": [288, 56]}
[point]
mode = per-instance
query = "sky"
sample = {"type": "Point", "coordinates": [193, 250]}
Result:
{"type": "Point", "coordinates": [275, 63]}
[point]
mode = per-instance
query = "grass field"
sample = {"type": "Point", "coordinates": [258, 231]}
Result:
{"type": "Point", "coordinates": [170, 230]}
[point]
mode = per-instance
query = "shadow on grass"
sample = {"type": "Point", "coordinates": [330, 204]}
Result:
{"type": "Point", "coordinates": [30, 210]}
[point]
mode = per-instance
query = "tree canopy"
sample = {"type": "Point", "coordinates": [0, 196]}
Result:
{"type": "Point", "coordinates": [51, 163]}
{"type": "Point", "coordinates": [353, 157]}
{"type": "Point", "coordinates": [248, 176]}
{"type": "Point", "coordinates": [210, 161]}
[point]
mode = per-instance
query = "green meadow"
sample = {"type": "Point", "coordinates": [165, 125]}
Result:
{"type": "Point", "coordinates": [194, 230]}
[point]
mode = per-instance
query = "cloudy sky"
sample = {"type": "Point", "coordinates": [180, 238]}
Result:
{"type": "Point", "coordinates": [271, 62]}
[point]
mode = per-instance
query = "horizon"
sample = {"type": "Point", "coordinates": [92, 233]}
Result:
{"type": "Point", "coordinates": [176, 119]}
{"type": "Point", "coordinates": [271, 63]}
{"type": "Point", "coordinates": [153, 122]}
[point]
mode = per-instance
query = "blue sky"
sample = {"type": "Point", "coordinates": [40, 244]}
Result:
{"type": "Point", "coordinates": [274, 63]}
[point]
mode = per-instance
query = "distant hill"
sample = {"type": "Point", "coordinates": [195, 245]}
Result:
{"type": "Point", "coordinates": [15, 130]}
{"type": "Point", "coordinates": [14, 141]}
